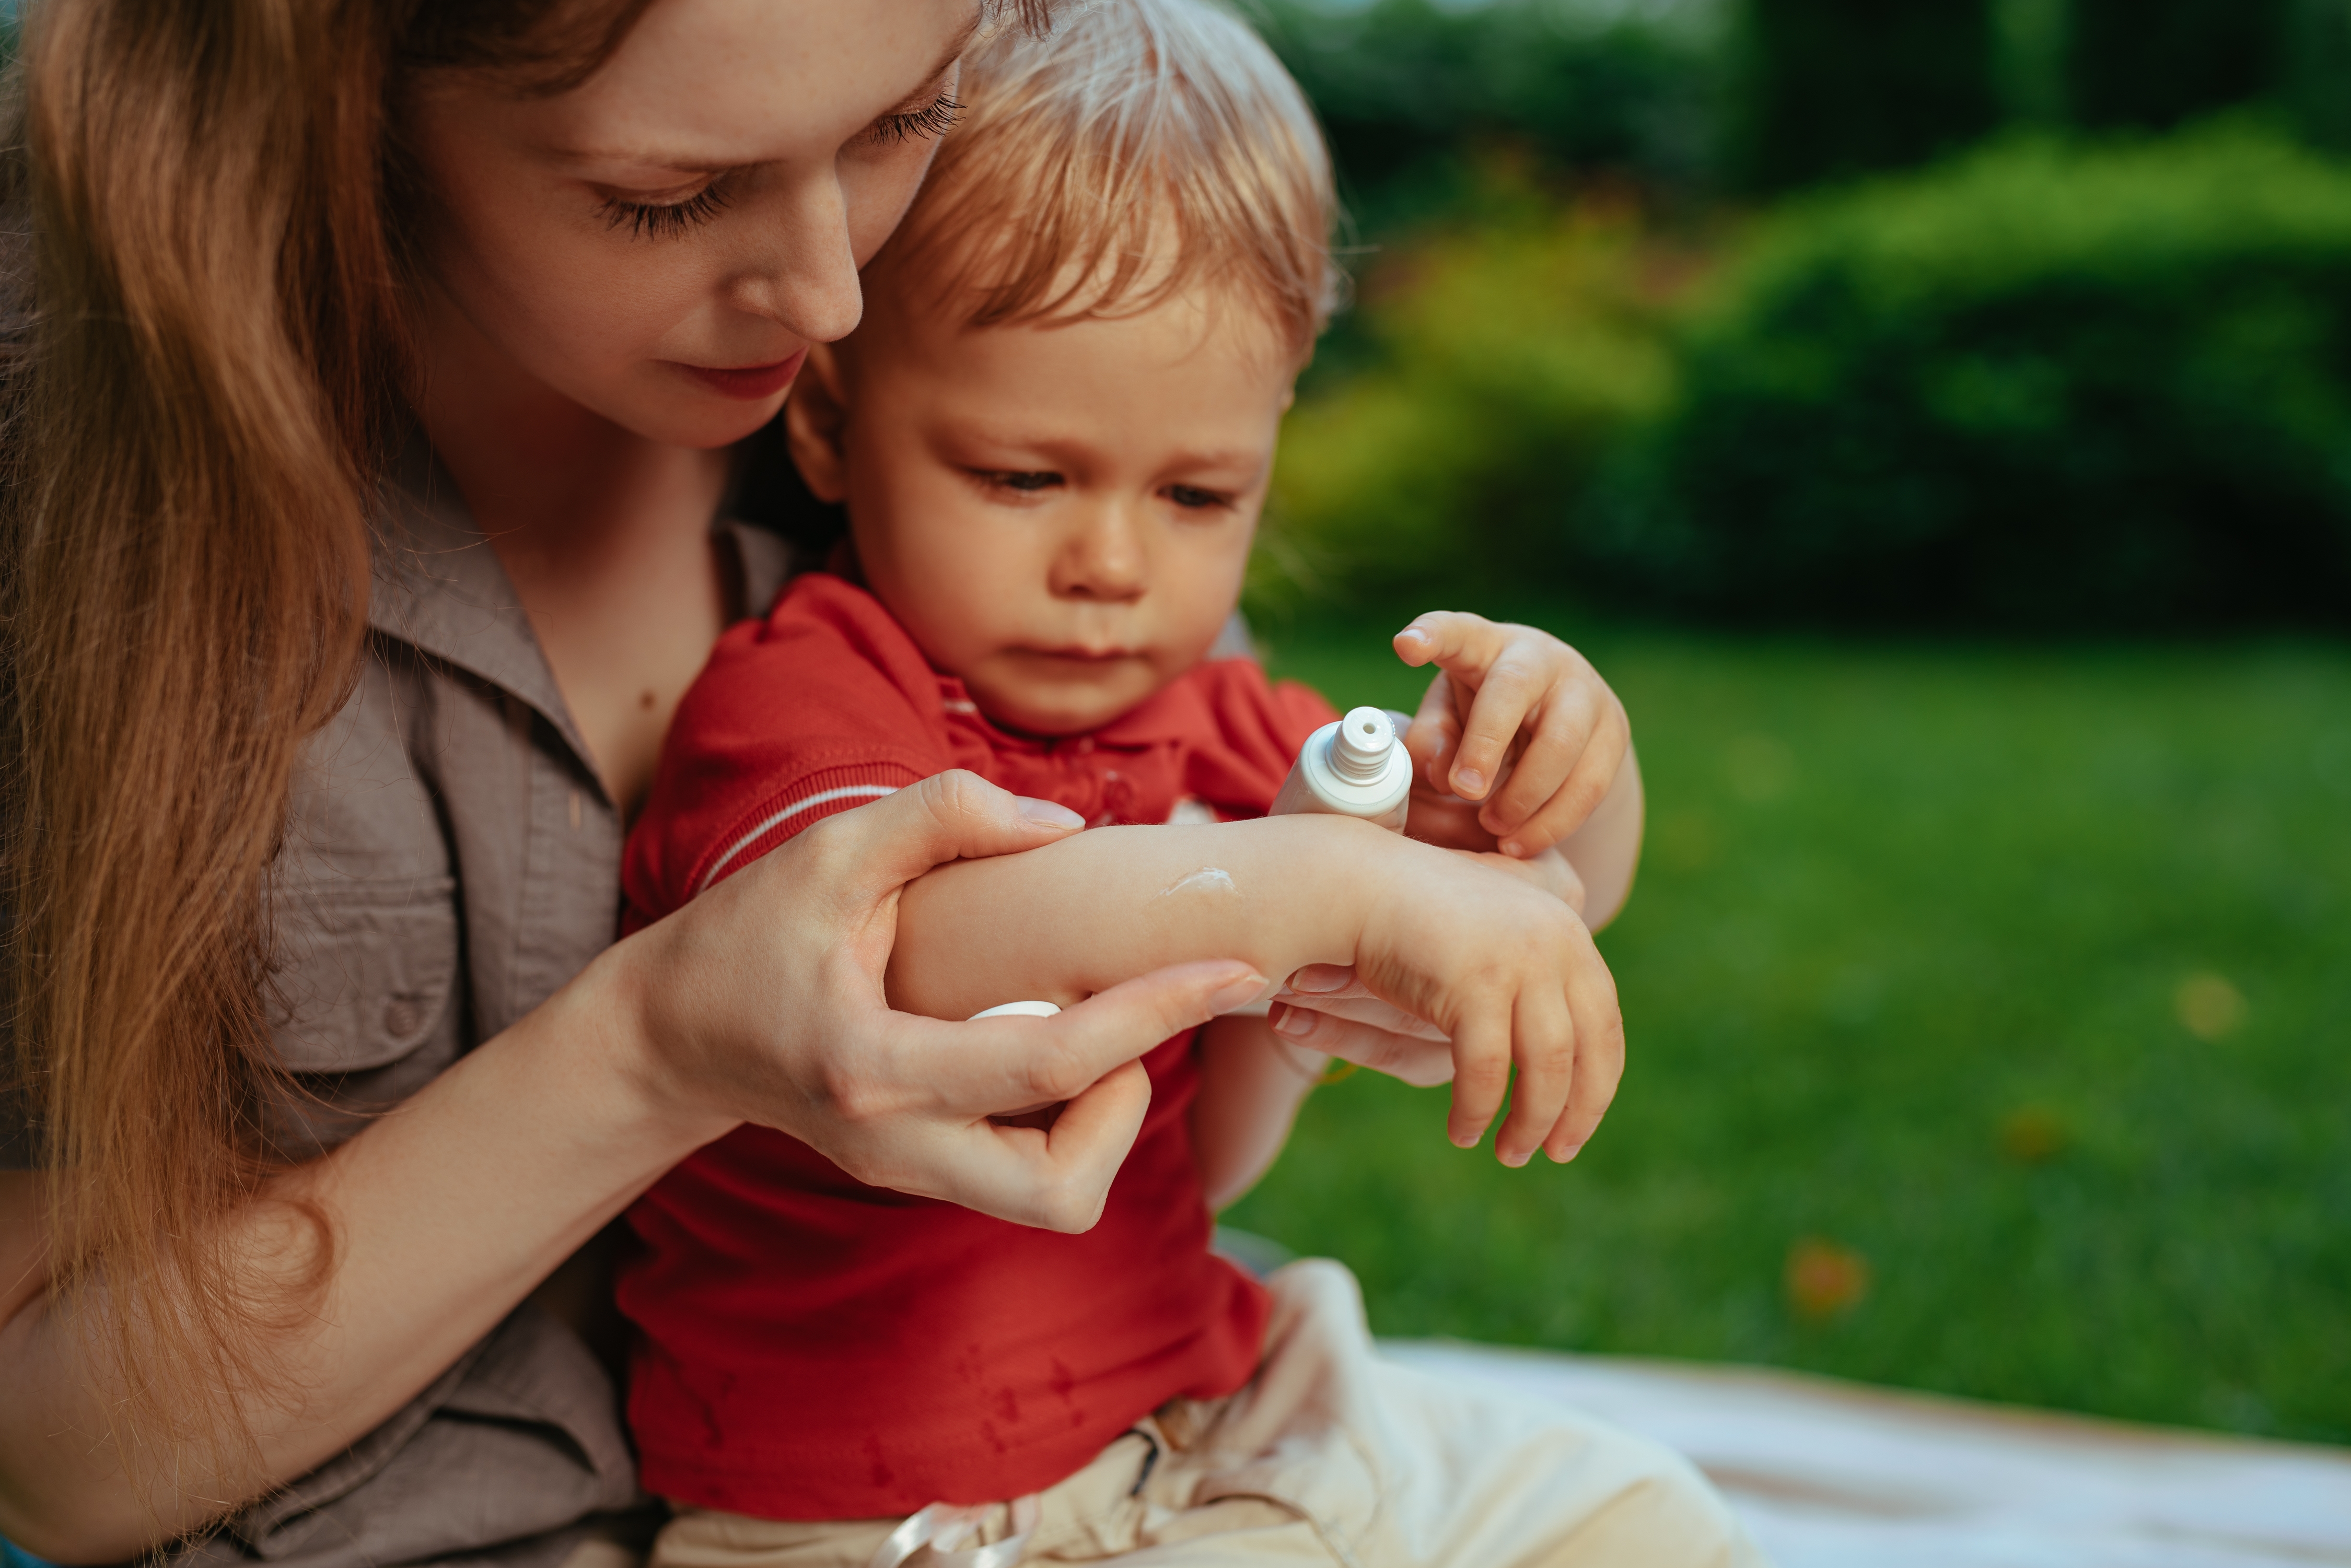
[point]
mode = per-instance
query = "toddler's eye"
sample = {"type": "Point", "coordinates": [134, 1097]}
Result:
{"type": "Point", "coordinates": [1192, 498]}
{"type": "Point", "coordinates": [1026, 483]}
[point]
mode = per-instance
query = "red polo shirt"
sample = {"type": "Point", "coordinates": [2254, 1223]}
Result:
{"type": "Point", "coordinates": [809, 1347]}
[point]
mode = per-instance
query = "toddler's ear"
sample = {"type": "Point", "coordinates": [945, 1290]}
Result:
{"type": "Point", "coordinates": [813, 418]}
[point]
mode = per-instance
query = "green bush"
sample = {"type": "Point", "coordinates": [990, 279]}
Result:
{"type": "Point", "coordinates": [2046, 386]}
{"type": "Point", "coordinates": [1409, 90]}
{"type": "Point", "coordinates": [1836, 88]}
{"type": "Point", "coordinates": [1507, 359]}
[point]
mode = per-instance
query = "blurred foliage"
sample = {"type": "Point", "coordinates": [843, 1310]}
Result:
{"type": "Point", "coordinates": [2153, 66]}
{"type": "Point", "coordinates": [2046, 386]}
{"type": "Point", "coordinates": [1987, 1025]}
{"type": "Point", "coordinates": [1845, 87]}
{"type": "Point", "coordinates": [1412, 92]}
{"type": "Point", "coordinates": [1509, 355]}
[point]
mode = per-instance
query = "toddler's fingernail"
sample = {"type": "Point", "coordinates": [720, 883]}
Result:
{"type": "Point", "coordinates": [1470, 781]}
{"type": "Point", "coordinates": [1296, 1023]}
{"type": "Point", "coordinates": [1513, 848]}
{"type": "Point", "coordinates": [1051, 814]}
{"type": "Point", "coordinates": [1573, 1150]}
{"type": "Point", "coordinates": [1516, 1162]}
{"type": "Point", "coordinates": [1238, 994]}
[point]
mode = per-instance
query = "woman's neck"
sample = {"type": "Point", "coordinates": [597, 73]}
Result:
{"type": "Point", "coordinates": [605, 535]}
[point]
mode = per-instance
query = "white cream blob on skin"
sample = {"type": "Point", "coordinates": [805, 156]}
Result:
{"type": "Point", "coordinates": [1207, 879]}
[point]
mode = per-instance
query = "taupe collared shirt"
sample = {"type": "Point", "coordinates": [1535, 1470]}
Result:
{"type": "Point", "coordinates": [451, 860]}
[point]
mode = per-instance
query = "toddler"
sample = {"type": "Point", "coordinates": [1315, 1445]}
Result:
{"type": "Point", "coordinates": [1052, 434]}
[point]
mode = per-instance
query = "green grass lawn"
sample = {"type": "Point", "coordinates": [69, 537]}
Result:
{"type": "Point", "coordinates": [2002, 997]}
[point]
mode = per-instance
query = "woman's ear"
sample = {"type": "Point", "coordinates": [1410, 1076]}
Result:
{"type": "Point", "coordinates": [814, 418]}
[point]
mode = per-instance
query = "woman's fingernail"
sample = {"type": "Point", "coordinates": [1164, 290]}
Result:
{"type": "Point", "coordinates": [1238, 994]}
{"type": "Point", "coordinates": [1517, 1162]}
{"type": "Point", "coordinates": [1295, 1023]}
{"type": "Point", "coordinates": [1051, 814]}
{"type": "Point", "coordinates": [1469, 781]}
{"type": "Point", "coordinates": [1315, 979]}
{"type": "Point", "coordinates": [1513, 848]}
{"type": "Point", "coordinates": [1573, 1150]}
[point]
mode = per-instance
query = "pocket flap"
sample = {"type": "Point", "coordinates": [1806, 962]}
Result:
{"type": "Point", "coordinates": [364, 971]}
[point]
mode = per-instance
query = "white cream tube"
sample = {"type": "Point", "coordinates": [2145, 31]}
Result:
{"type": "Point", "coordinates": [1355, 768]}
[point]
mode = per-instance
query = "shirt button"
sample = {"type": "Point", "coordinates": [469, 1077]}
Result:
{"type": "Point", "coordinates": [399, 1017]}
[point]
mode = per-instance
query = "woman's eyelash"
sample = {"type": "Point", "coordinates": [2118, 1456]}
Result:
{"type": "Point", "coordinates": [935, 118]}
{"type": "Point", "coordinates": [652, 220]}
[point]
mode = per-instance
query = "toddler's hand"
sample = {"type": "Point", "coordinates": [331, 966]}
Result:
{"type": "Point", "coordinates": [1507, 697]}
{"type": "Point", "coordinates": [1507, 973]}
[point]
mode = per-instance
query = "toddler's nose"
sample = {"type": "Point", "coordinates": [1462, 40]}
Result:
{"type": "Point", "coordinates": [1102, 561]}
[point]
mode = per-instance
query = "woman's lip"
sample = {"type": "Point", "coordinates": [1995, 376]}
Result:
{"type": "Point", "coordinates": [749, 382]}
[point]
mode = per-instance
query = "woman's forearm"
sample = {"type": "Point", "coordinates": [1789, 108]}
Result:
{"type": "Point", "coordinates": [1101, 906]}
{"type": "Point", "coordinates": [445, 1213]}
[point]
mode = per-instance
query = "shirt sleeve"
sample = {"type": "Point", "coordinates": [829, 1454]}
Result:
{"type": "Point", "coordinates": [821, 707]}
{"type": "Point", "coordinates": [1259, 727]}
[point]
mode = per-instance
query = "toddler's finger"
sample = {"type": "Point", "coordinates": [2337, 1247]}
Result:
{"type": "Point", "coordinates": [1571, 807]}
{"type": "Point", "coordinates": [1481, 1073]}
{"type": "Point", "coordinates": [1545, 1050]}
{"type": "Point", "coordinates": [1588, 779]}
{"type": "Point", "coordinates": [1514, 685]}
{"type": "Point", "coordinates": [1450, 639]}
{"type": "Point", "coordinates": [1434, 729]}
{"type": "Point", "coordinates": [1599, 1059]}
{"type": "Point", "coordinates": [1557, 738]}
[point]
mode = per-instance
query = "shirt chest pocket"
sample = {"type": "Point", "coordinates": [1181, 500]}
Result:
{"type": "Point", "coordinates": [366, 974]}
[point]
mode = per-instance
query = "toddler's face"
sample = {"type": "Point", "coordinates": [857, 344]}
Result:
{"type": "Point", "coordinates": [1060, 514]}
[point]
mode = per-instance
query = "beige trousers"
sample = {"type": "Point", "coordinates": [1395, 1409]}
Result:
{"type": "Point", "coordinates": [1329, 1455]}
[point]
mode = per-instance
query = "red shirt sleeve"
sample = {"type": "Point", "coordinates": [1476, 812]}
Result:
{"type": "Point", "coordinates": [821, 706]}
{"type": "Point", "coordinates": [1255, 731]}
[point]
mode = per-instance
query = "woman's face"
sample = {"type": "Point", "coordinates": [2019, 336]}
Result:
{"type": "Point", "coordinates": [661, 244]}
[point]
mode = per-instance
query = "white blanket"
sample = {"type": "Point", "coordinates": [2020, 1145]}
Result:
{"type": "Point", "coordinates": [1838, 1475]}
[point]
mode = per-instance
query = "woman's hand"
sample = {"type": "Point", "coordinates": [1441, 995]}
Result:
{"type": "Point", "coordinates": [762, 1001]}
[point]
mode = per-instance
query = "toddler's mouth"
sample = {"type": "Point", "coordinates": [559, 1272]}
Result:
{"type": "Point", "coordinates": [1085, 655]}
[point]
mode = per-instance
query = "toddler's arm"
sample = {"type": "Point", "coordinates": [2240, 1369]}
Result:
{"type": "Point", "coordinates": [1506, 971]}
{"type": "Point", "coordinates": [1252, 1082]}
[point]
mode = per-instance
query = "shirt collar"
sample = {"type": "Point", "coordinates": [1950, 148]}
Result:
{"type": "Point", "coordinates": [439, 587]}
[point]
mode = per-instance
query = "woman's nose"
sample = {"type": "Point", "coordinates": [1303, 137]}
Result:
{"type": "Point", "coordinates": [1102, 561]}
{"type": "Point", "coordinates": [804, 274]}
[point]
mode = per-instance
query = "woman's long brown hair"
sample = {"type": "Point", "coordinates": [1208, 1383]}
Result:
{"type": "Point", "coordinates": [203, 291]}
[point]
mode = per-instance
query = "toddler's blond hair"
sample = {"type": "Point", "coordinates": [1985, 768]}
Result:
{"type": "Point", "coordinates": [1139, 150]}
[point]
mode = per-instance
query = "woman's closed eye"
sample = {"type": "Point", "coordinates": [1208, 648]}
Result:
{"type": "Point", "coordinates": [656, 216]}
{"type": "Point", "coordinates": [934, 119]}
